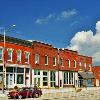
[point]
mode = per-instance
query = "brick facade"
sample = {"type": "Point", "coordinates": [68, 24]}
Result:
{"type": "Point", "coordinates": [48, 66]}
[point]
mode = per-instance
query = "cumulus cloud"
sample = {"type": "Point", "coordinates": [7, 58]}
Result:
{"type": "Point", "coordinates": [62, 15]}
{"type": "Point", "coordinates": [86, 43]}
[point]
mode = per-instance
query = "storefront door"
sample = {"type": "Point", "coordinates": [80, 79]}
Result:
{"type": "Point", "coordinates": [36, 81]}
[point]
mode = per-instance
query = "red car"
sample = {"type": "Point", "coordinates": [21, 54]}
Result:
{"type": "Point", "coordinates": [25, 92]}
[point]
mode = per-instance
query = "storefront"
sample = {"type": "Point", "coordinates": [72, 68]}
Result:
{"type": "Point", "coordinates": [85, 79]}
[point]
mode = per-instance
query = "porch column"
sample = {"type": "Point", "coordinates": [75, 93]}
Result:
{"type": "Point", "coordinates": [15, 76]}
{"type": "Point", "coordinates": [68, 78]}
{"type": "Point", "coordinates": [24, 76]}
{"type": "Point", "coordinates": [48, 79]}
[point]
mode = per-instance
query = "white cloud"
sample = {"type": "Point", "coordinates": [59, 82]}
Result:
{"type": "Point", "coordinates": [87, 44]}
{"type": "Point", "coordinates": [44, 20]}
{"type": "Point", "coordinates": [61, 16]}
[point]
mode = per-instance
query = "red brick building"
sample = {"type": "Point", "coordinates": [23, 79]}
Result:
{"type": "Point", "coordinates": [96, 71]}
{"type": "Point", "coordinates": [36, 63]}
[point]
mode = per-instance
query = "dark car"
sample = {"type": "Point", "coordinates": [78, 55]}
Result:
{"type": "Point", "coordinates": [25, 92]}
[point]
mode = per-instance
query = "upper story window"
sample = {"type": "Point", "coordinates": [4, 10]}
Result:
{"type": "Point", "coordinates": [80, 65]}
{"type": "Point", "coordinates": [54, 61]}
{"type": "Point", "coordinates": [36, 59]}
{"type": "Point", "coordinates": [27, 57]}
{"type": "Point", "coordinates": [19, 56]}
{"type": "Point", "coordinates": [1, 53]}
{"type": "Point", "coordinates": [68, 63]}
{"type": "Point", "coordinates": [46, 60]}
{"type": "Point", "coordinates": [74, 63]}
{"type": "Point", "coordinates": [61, 61]}
{"type": "Point", "coordinates": [10, 54]}
{"type": "Point", "coordinates": [90, 67]}
{"type": "Point", "coordinates": [85, 66]}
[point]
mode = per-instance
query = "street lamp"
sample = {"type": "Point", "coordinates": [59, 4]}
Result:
{"type": "Point", "coordinates": [4, 40]}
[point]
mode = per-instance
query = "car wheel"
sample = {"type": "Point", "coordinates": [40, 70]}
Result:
{"type": "Point", "coordinates": [36, 95]}
{"type": "Point", "coordinates": [20, 96]}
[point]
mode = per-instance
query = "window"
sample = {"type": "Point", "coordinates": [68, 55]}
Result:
{"type": "Point", "coordinates": [19, 56]}
{"type": "Point", "coordinates": [90, 67]}
{"type": "Point", "coordinates": [65, 77]}
{"type": "Point", "coordinates": [74, 64]}
{"type": "Point", "coordinates": [71, 77]}
{"type": "Point", "coordinates": [85, 66]}
{"type": "Point", "coordinates": [54, 61]}
{"type": "Point", "coordinates": [20, 78]}
{"type": "Point", "coordinates": [68, 63]}
{"type": "Point", "coordinates": [46, 59]}
{"type": "Point", "coordinates": [26, 57]}
{"type": "Point", "coordinates": [1, 53]}
{"type": "Point", "coordinates": [10, 54]}
{"type": "Point", "coordinates": [52, 78]}
{"type": "Point", "coordinates": [36, 59]}
{"type": "Point", "coordinates": [80, 65]}
{"type": "Point", "coordinates": [45, 78]}
{"type": "Point", "coordinates": [36, 72]}
{"type": "Point", "coordinates": [61, 61]}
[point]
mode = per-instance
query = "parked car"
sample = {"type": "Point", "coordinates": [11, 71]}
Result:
{"type": "Point", "coordinates": [25, 92]}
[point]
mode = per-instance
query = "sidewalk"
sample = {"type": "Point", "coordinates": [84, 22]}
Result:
{"type": "Point", "coordinates": [67, 89]}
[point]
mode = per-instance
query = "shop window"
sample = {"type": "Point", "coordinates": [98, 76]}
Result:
{"type": "Point", "coordinates": [1, 53]}
{"type": "Point", "coordinates": [45, 78]}
{"type": "Point", "coordinates": [27, 70]}
{"type": "Point", "coordinates": [36, 72]}
{"type": "Point", "coordinates": [19, 78]}
{"type": "Point", "coordinates": [52, 78]}
{"type": "Point", "coordinates": [20, 70]}
{"type": "Point", "coordinates": [65, 77]}
{"type": "Point", "coordinates": [9, 69]}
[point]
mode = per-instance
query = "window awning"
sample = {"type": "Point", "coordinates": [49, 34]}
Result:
{"type": "Point", "coordinates": [86, 75]}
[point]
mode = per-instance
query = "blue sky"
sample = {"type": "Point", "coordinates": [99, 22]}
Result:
{"type": "Point", "coordinates": [49, 21]}
{"type": "Point", "coordinates": [62, 23]}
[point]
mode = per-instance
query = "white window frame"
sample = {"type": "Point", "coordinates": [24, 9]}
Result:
{"type": "Point", "coordinates": [80, 65]}
{"type": "Point", "coordinates": [74, 63]}
{"type": "Point", "coordinates": [54, 61]}
{"type": "Point", "coordinates": [85, 66]}
{"type": "Point", "coordinates": [68, 63]}
{"type": "Point", "coordinates": [19, 60]}
{"type": "Point", "coordinates": [90, 67]}
{"type": "Point", "coordinates": [37, 59]}
{"type": "Point", "coordinates": [10, 49]}
{"type": "Point", "coordinates": [46, 58]}
{"type": "Point", "coordinates": [1, 54]}
{"type": "Point", "coordinates": [28, 56]}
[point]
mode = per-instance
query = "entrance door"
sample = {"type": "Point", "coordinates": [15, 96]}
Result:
{"type": "Point", "coordinates": [9, 80]}
{"type": "Point", "coordinates": [36, 81]}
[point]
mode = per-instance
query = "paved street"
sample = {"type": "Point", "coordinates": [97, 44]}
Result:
{"type": "Point", "coordinates": [92, 94]}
